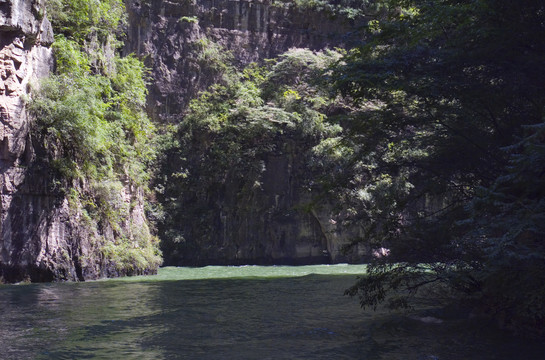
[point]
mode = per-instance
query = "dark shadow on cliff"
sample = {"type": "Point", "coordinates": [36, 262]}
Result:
{"type": "Point", "coordinates": [31, 228]}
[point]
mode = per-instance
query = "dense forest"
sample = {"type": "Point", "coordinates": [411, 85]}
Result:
{"type": "Point", "coordinates": [427, 135]}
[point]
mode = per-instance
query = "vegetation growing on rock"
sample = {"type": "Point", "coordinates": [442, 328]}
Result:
{"type": "Point", "coordinates": [346, 9]}
{"type": "Point", "coordinates": [95, 133]}
{"type": "Point", "coordinates": [230, 132]}
{"type": "Point", "coordinates": [429, 136]}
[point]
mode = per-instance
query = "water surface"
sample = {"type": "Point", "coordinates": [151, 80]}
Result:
{"type": "Point", "coordinates": [234, 313]}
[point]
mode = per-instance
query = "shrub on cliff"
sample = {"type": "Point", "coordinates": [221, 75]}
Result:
{"type": "Point", "coordinates": [91, 121]}
{"type": "Point", "coordinates": [81, 20]}
{"type": "Point", "coordinates": [229, 133]}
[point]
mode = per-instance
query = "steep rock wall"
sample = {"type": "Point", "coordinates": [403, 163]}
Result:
{"type": "Point", "coordinates": [43, 237]}
{"type": "Point", "coordinates": [266, 216]}
{"type": "Point", "coordinates": [25, 56]}
{"type": "Point", "coordinates": [268, 224]}
{"type": "Point", "coordinates": [167, 34]}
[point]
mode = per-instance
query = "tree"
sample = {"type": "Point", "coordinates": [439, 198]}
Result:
{"type": "Point", "coordinates": [440, 89]}
{"type": "Point", "coordinates": [219, 157]}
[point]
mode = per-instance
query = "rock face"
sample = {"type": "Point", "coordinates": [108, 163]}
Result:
{"type": "Point", "coordinates": [42, 235]}
{"type": "Point", "coordinates": [25, 56]}
{"type": "Point", "coordinates": [266, 225]}
{"type": "Point", "coordinates": [169, 34]}
{"type": "Point", "coordinates": [267, 217]}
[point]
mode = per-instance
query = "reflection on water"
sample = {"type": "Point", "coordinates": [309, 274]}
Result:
{"type": "Point", "coordinates": [255, 317]}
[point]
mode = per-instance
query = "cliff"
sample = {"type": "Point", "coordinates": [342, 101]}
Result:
{"type": "Point", "coordinates": [46, 234]}
{"type": "Point", "coordinates": [168, 34]}
{"type": "Point", "coordinates": [224, 222]}
{"type": "Point", "coordinates": [48, 230]}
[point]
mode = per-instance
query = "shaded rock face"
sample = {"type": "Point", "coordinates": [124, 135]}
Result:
{"type": "Point", "coordinates": [42, 237]}
{"type": "Point", "coordinates": [262, 218]}
{"type": "Point", "coordinates": [25, 56]}
{"type": "Point", "coordinates": [269, 223]}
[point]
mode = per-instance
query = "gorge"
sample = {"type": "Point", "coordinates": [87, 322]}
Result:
{"type": "Point", "coordinates": [47, 233]}
{"type": "Point", "coordinates": [405, 134]}
{"type": "Point", "coordinates": [190, 46]}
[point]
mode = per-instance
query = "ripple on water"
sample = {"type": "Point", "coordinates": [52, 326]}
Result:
{"type": "Point", "coordinates": [234, 313]}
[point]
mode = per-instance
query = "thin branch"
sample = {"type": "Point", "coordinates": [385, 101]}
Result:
{"type": "Point", "coordinates": [416, 286]}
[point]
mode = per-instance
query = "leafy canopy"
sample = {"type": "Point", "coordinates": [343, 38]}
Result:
{"type": "Point", "coordinates": [448, 100]}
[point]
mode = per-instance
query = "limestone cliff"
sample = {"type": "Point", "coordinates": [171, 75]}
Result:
{"type": "Point", "coordinates": [167, 34]}
{"type": "Point", "coordinates": [44, 236]}
{"type": "Point", "coordinates": [272, 224]}
{"type": "Point", "coordinates": [25, 56]}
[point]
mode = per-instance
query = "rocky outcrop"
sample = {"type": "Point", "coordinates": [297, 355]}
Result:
{"type": "Point", "coordinates": [25, 56]}
{"type": "Point", "coordinates": [269, 224]}
{"type": "Point", "coordinates": [44, 236]}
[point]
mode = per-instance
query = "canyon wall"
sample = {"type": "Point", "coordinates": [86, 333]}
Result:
{"type": "Point", "coordinates": [273, 223]}
{"type": "Point", "coordinates": [168, 33]}
{"type": "Point", "coordinates": [43, 235]}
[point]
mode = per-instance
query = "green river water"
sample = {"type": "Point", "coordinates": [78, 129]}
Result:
{"type": "Point", "coordinates": [247, 312]}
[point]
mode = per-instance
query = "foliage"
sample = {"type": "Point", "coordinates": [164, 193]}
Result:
{"type": "Point", "coordinates": [69, 58]}
{"type": "Point", "coordinates": [92, 124]}
{"type": "Point", "coordinates": [439, 90]}
{"type": "Point", "coordinates": [131, 256]}
{"type": "Point", "coordinates": [95, 123]}
{"type": "Point", "coordinates": [189, 19]}
{"type": "Point", "coordinates": [509, 217]}
{"type": "Point", "coordinates": [230, 131]}
{"type": "Point", "coordinates": [348, 9]}
{"type": "Point", "coordinates": [82, 20]}
{"type": "Point", "coordinates": [213, 58]}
